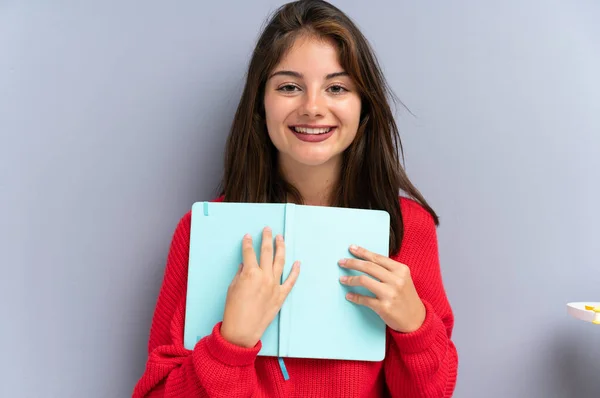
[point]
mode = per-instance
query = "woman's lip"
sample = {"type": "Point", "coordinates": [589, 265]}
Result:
{"type": "Point", "coordinates": [313, 138]}
{"type": "Point", "coordinates": [312, 126]}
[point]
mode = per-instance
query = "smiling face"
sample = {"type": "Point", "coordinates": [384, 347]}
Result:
{"type": "Point", "coordinates": [312, 107]}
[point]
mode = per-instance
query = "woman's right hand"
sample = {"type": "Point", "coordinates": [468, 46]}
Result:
{"type": "Point", "coordinates": [256, 295]}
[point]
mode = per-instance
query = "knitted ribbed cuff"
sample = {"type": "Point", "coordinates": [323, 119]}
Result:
{"type": "Point", "coordinates": [228, 353]}
{"type": "Point", "coordinates": [431, 333]}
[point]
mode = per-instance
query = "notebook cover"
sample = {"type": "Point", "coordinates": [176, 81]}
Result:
{"type": "Point", "coordinates": [215, 254]}
{"type": "Point", "coordinates": [316, 321]}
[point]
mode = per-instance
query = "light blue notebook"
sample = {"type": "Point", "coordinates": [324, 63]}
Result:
{"type": "Point", "coordinates": [316, 320]}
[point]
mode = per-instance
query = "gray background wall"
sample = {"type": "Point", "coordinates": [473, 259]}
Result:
{"type": "Point", "coordinates": [113, 115]}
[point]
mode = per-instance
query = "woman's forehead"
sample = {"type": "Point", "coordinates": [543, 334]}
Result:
{"type": "Point", "coordinates": [311, 57]}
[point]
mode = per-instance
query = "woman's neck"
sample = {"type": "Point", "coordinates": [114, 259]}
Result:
{"type": "Point", "coordinates": [316, 184]}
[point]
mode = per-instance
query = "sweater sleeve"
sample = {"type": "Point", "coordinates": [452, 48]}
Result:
{"type": "Point", "coordinates": [214, 368]}
{"type": "Point", "coordinates": [423, 363]}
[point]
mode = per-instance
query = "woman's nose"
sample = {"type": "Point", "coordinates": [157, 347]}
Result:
{"type": "Point", "coordinates": [313, 104]}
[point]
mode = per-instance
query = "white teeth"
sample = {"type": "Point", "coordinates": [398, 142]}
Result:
{"type": "Point", "coordinates": [305, 130]}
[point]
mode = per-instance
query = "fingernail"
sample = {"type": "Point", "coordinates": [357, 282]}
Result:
{"type": "Point", "coordinates": [344, 279]}
{"type": "Point", "coordinates": [267, 229]}
{"type": "Point", "coordinates": [298, 264]}
{"type": "Point", "coordinates": [353, 247]}
{"type": "Point", "coordinates": [247, 236]}
{"type": "Point", "coordinates": [279, 238]}
{"type": "Point", "coordinates": [349, 296]}
{"type": "Point", "coordinates": [342, 261]}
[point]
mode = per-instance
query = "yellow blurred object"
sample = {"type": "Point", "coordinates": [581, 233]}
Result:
{"type": "Point", "coordinates": [596, 320]}
{"type": "Point", "coordinates": [586, 311]}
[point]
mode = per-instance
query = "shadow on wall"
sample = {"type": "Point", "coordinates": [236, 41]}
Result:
{"type": "Point", "coordinates": [575, 368]}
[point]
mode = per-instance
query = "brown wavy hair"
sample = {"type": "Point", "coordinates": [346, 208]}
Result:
{"type": "Point", "coordinates": [372, 175]}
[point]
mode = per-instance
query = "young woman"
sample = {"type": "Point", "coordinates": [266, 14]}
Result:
{"type": "Point", "coordinates": [314, 127]}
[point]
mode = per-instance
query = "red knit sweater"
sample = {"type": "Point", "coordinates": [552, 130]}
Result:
{"type": "Point", "coordinates": [419, 364]}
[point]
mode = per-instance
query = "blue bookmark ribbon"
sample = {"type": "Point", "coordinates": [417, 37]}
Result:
{"type": "Point", "coordinates": [283, 369]}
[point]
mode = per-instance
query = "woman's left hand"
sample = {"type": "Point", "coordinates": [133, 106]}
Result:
{"type": "Point", "coordinates": [396, 300]}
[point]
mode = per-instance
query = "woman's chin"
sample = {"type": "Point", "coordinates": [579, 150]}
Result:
{"type": "Point", "coordinates": [315, 159]}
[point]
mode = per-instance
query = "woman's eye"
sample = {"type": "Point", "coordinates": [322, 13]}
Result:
{"type": "Point", "coordinates": [288, 88]}
{"type": "Point", "coordinates": [337, 89]}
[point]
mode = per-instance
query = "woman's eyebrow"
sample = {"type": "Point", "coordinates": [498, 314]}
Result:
{"type": "Point", "coordinates": [300, 76]}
